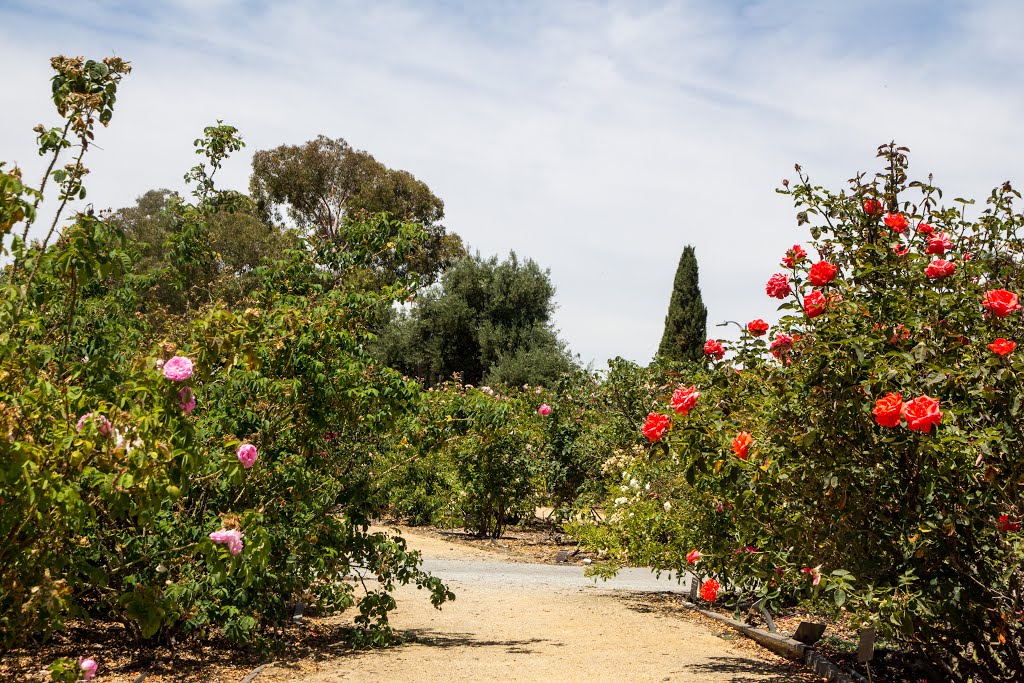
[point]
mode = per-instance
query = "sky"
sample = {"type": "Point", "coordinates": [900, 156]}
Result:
{"type": "Point", "coordinates": [597, 138]}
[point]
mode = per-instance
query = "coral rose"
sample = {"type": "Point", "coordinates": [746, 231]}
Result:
{"type": "Point", "coordinates": [741, 445]}
{"type": "Point", "coordinates": [693, 556]}
{"type": "Point", "coordinates": [921, 413]}
{"type": "Point", "coordinates": [684, 399]}
{"type": "Point", "coordinates": [896, 221]}
{"type": "Point", "coordinates": [872, 207]}
{"type": "Point", "coordinates": [178, 369]}
{"type": "Point", "coordinates": [794, 256]}
{"type": "Point", "coordinates": [655, 426]}
{"type": "Point", "coordinates": [709, 590]}
{"type": "Point", "coordinates": [778, 286]}
{"type": "Point", "coordinates": [712, 347]}
{"type": "Point", "coordinates": [1000, 302]}
{"type": "Point", "coordinates": [821, 273]}
{"type": "Point", "coordinates": [925, 229]}
{"type": "Point", "coordinates": [814, 304]}
{"type": "Point", "coordinates": [901, 249]}
{"type": "Point", "coordinates": [1002, 346]}
{"type": "Point", "coordinates": [938, 243]}
{"type": "Point", "coordinates": [757, 327]}
{"type": "Point", "coordinates": [888, 410]}
{"type": "Point", "coordinates": [939, 268]}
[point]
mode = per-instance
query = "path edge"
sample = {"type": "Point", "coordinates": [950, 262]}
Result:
{"type": "Point", "coordinates": [787, 647]}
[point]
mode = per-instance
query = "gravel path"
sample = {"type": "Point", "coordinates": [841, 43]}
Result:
{"type": "Point", "coordinates": [516, 621]}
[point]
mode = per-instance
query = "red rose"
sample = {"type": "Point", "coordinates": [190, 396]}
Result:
{"type": "Point", "coordinates": [655, 426]}
{"type": "Point", "coordinates": [757, 327]}
{"type": "Point", "coordinates": [968, 256]}
{"type": "Point", "coordinates": [901, 249]}
{"type": "Point", "coordinates": [872, 206]}
{"type": "Point", "coordinates": [814, 304]}
{"type": "Point", "coordinates": [888, 410]}
{"type": "Point", "coordinates": [741, 444]}
{"type": "Point", "coordinates": [896, 221]}
{"type": "Point", "coordinates": [1002, 346]}
{"type": "Point", "coordinates": [693, 556]}
{"type": "Point", "coordinates": [709, 590]}
{"type": "Point", "coordinates": [1000, 302]}
{"type": "Point", "coordinates": [938, 243]}
{"type": "Point", "coordinates": [794, 256]}
{"type": "Point", "coordinates": [783, 344]}
{"type": "Point", "coordinates": [821, 273]}
{"type": "Point", "coordinates": [712, 347]}
{"type": "Point", "coordinates": [1006, 525]}
{"type": "Point", "coordinates": [684, 399]}
{"type": "Point", "coordinates": [778, 286]}
{"type": "Point", "coordinates": [939, 269]}
{"type": "Point", "coordinates": [921, 413]}
{"type": "Point", "coordinates": [925, 229]}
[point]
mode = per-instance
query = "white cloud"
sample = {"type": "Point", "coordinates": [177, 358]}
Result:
{"type": "Point", "coordinates": [596, 139]}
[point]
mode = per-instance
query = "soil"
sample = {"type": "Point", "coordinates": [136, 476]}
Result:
{"type": "Point", "coordinates": [513, 619]}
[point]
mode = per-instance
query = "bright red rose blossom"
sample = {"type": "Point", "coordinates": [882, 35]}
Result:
{"type": "Point", "coordinates": [794, 256]}
{"type": "Point", "coordinates": [758, 327]}
{"type": "Point", "coordinates": [938, 244]}
{"type": "Point", "coordinates": [1006, 525]}
{"type": "Point", "coordinates": [778, 286]}
{"type": "Point", "coordinates": [709, 590]}
{"type": "Point", "coordinates": [821, 273]}
{"type": "Point", "coordinates": [1002, 346]}
{"type": "Point", "coordinates": [814, 304]}
{"type": "Point", "coordinates": [896, 221]}
{"type": "Point", "coordinates": [684, 399]}
{"type": "Point", "coordinates": [939, 268]}
{"type": "Point", "coordinates": [741, 445]}
{"type": "Point", "coordinates": [901, 249]}
{"type": "Point", "coordinates": [921, 413]}
{"type": "Point", "coordinates": [655, 426]}
{"type": "Point", "coordinates": [888, 410]}
{"type": "Point", "coordinates": [925, 229]}
{"type": "Point", "coordinates": [714, 348]}
{"type": "Point", "coordinates": [872, 206]}
{"type": "Point", "coordinates": [1000, 302]}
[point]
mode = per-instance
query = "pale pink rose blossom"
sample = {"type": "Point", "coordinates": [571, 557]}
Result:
{"type": "Point", "coordinates": [88, 667]}
{"type": "Point", "coordinates": [102, 423]}
{"type": "Point", "coordinates": [187, 400]}
{"type": "Point", "coordinates": [247, 455]}
{"type": "Point", "coordinates": [178, 369]}
{"type": "Point", "coordinates": [231, 537]}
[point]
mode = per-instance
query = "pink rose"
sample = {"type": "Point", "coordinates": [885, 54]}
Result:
{"type": "Point", "coordinates": [544, 409]}
{"type": "Point", "coordinates": [187, 400]}
{"type": "Point", "coordinates": [178, 369]}
{"type": "Point", "coordinates": [231, 537]}
{"type": "Point", "coordinates": [88, 667]}
{"type": "Point", "coordinates": [103, 425]}
{"type": "Point", "coordinates": [247, 455]}
{"type": "Point", "coordinates": [938, 243]}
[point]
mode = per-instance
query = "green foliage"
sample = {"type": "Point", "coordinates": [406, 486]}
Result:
{"type": "Point", "coordinates": [687, 317]}
{"type": "Point", "coordinates": [323, 182]}
{"type": "Point", "coordinates": [111, 484]}
{"type": "Point", "coordinates": [471, 456]}
{"type": "Point", "coordinates": [487, 320]}
{"type": "Point", "coordinates": [903, 528]}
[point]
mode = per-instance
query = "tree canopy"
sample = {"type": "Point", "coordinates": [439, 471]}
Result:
{"type": "Point", "coordinates": [687, 317]}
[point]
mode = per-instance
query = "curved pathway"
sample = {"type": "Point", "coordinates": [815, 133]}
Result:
{"type": "Point", "coordinates": [518, 621]}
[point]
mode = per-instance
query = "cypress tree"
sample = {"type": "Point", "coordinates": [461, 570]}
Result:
{"type": "Point", "coordinates": [687, 318]}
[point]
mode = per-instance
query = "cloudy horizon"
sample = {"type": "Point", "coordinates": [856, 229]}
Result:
{"type": "Point", "coordinates": [596, 138]}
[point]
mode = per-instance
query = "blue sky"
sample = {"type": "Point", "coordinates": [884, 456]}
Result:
{"type": "Point", "coordinates": [596, 138]}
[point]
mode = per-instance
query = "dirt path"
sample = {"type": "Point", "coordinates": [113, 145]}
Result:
{"type": "Point", "coordinates": [516, 621]}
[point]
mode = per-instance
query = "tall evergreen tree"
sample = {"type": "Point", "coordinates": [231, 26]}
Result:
{"type": "Point", "coordinates": [687, 318]}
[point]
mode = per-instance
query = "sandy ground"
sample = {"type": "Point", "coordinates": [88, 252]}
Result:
{"type": "Point", "coordinates": [516, 621]}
